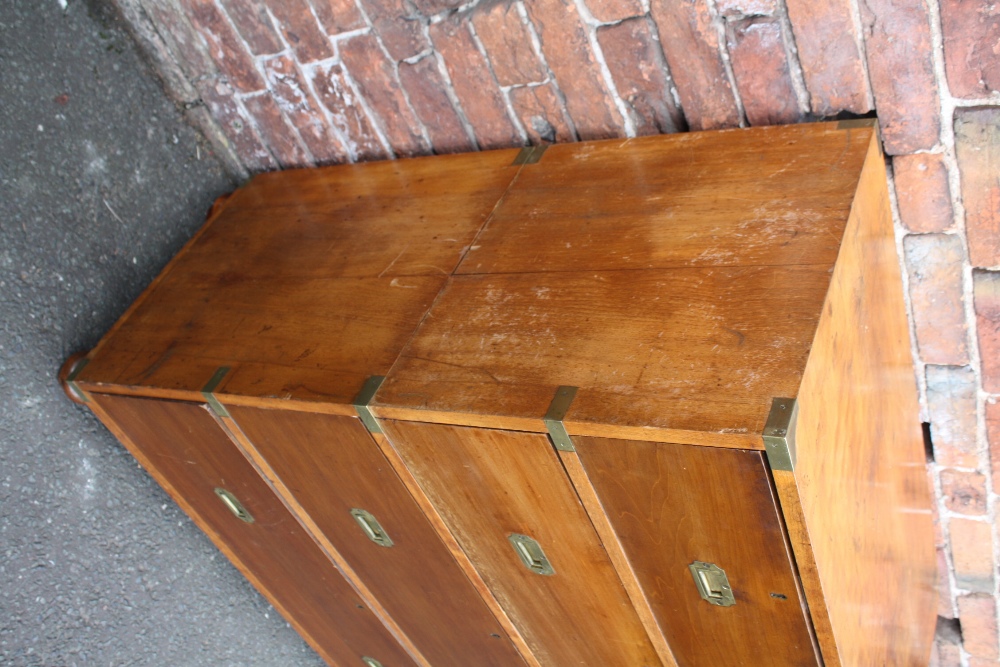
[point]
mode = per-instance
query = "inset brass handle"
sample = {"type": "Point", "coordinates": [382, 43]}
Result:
{"type": "Point", "coordinates": [371, 527]}
{"type": "Point", "coordinates": [531, 554]}
{"type": "Point", "coordinates": [234, 505]}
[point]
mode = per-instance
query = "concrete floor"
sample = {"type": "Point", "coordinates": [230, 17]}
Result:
{"type": "Point", "coordinates": [100, 183]}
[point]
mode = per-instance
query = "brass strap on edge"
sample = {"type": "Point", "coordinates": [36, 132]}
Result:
{"type": "Point", "coordinates": [365, 397]}
{"type": "Point", "coordinates": [71, 379]}
{"type": "Point", "coordinates": [529, 155]}
{"type": "Point", "coordinates": [209, 388]}
{"type": "Point", "coordinates": [554, 418]}
{"type": "Point", "coordinates": [779, 433]}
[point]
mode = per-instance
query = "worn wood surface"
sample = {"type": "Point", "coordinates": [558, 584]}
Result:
{"type": "Point", "coordinates": [860, 469]}
{"type": "Point", "coordinates": [490, 484]}
{"type": "Point", "coordinates": [694, 350]}
{"type": "Point", "coordinates": [188, 452]}
{"type": "Point", "coordinates": [763, 196]}
{"type": "Point", "coordinates": [306, 282]}
{"type": "Point", "coordinates": [331, 465]}
{"type": "Point", "coordinates": [671, 505]}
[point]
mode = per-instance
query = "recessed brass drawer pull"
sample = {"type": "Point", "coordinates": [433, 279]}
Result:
{"type": "Point", "coordinates": [531, 554]}
{"type": "Point", "coordinates": [234, 505]}
{"type": "Point", "coordinates": [371, 527]}
{"type": "Point", "coordinates": [712, 583]}
{"type": "Point", "coordinates": [371, 662]}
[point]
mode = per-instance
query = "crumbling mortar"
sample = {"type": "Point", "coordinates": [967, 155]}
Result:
{"type": "Point", "coordinates": [862, 47]}
{"type": "Point", "coordinates": [719, 22]}
{"type": "Point", "coordinates": [590, 25]}
{"type": "Point", "coordinates": [674, 93]}
{"type": "Point", "coordinates": [335, 40]}
{"type": "Point", "coordinates": [252, 122]}
{"type": "Point", "coordinates": [449, 90]}
{"type": "Point", "coordinates": [794, 64]}
{"type": "Point", "coordinates": [246, 47]}
{"type": "Point", "coordinates": [504, 92]}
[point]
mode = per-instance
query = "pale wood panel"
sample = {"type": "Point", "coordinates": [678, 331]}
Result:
{"type": "Point", "coordinates": [672, 505]}
{"type": "Point", "coordinates": [763, 196]}
{"type": "Point", "coordinates": [860, 469]}
{"type": "Point", "coordinates": [330, 465]}
{"type": "Point", "coordinates": [490, 484]}
{"type": "Point", "coordinates": [697, 349]}
{"type": "Point", "coordinates": [183, 446]}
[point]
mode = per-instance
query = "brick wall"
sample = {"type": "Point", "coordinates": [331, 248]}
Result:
{"type": "Point", "coordinates": [289, 83]}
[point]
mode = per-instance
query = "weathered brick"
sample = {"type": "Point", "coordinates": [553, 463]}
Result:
{"type": "Point", "coordinates": [290, 91]}
{"type": "Point", "coordinates": [431, 7]}
{"type": "Point", "coordinates": [181, 38]}
{"type": "Point", "coordinates": [375, 77]}
{"type": "Point", "coordinates": [898, 42]}
{"type": "Point", "coordinates": [426, 89]}
{"type": "Point", "coordinates": [978, 613]}
{"type": "Point", "coordinates": [977, 144]}
{"type": "Point", "coordinates": [943, 586]}
{"type": "Point", "coordinates": [922, 192]}
{"type": "Point", "coordinates": [934, 265]}
{"type": "Point", "coordinates": [825, 37]}
{"type": "Point", "coordinates": [964, 492]}
{"type": "Point", "coordinates": [254, 25]}
{"type": "Point", "coordinates": [691, 45]}
{"type": "Point", "coordinates": [742, 8]}
{"type": "Point", "coordinates": [346, 113]}
{"type": "Point", "coordinates": [951, 403]}
{"type": "Point", "coordinates": [508, 44]}
{"type": "Point", "coordinates": [639, 70]}
{"type": "Point", "coordinates": [474, 85]}
{"type": "Point", "coordinates": [226, 47]}
{"type": "Point", "coordinates": [298, 24]}
{"type": "Point", "coordinates": [948, 655]}
{"type": "Point", "coordinates": [993, 438]}
{"type": "Point", "coordinates": [972, 556]}
{"type": "Point", "coordinates": [542, 114]}
{"type": "Point", "coordinates": [569, 56]}
{"type": "Point", "coordinates": [760, 67]}
{"type": "Point", "coordinates": [986, 298]}
{"type": "Point", "coordinates": [983, 662]}
{"type": "Point", "coordinates": [336, 16]}
{"type": "Point", "coordinates": [281, 139]}
{"type": "Point", "coordinates": [971, 33]}
{"type": "Point", "coordinates": [611, 11]}
{"type": "Point", "coordinates": [401, 28]}
{"type": "Point", "coordinates": [237, 126]}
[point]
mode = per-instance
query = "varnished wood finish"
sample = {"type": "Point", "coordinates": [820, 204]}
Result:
{"type": "Point", "coordinates": [671, 505]}
{"type": "Point", "coordinates": [696, 350]}
{"type": "Point", "coordinates": [860, 469]}
{"type": "Point", "coordinates": [306, 282]}
{"type": "Point", "coordinates": [490, 484]}
{"type": "Point", "coordinates": [188, 452]}
{"type": "Point", "coordinates": [331, 465]}
{"type": "Point", "coordinates": [764, 196]}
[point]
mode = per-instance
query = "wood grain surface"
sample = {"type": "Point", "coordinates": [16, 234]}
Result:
{"type": "Point", "coordinates": [184, 446]}
{"type": "Point", "coordinates": [331, 465]}
{"type": "Point", "coordinates": [672, 505]}
{"type": "Point", "coordinates": [761, 196]}
{"type": "Point", "coordinates": [490, 484]}
{"type": "Point", "coordinates": [860, 465]}
{"type": "Point", "coordinates": [694, 350]}
{"type": "Point", "coordinates": [305, 282]}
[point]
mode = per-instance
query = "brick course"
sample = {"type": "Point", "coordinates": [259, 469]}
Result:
{"type": "Point", "coordinates": [979, 625]}
{"type": "Point", "coordinates": [426, 89]}
{"type": "Point", "coordinates": [987, 304]}
{"type": "Point", "coordinates": [972, 554]}
{"type": "Point", "coordinates": [934, 266]}
{"type": "Point", "coordinates": [923, 193]}
{"type": "Point", "coordinates": [761, 69]}
{"type": "Point", "coordinates": [977, 145]}
{"type": "Point", "coordinates": [951, 404]}
{"type": "Point", "coordinates": [971, 37]}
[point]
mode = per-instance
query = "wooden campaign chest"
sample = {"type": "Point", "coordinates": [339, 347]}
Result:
{"type": "Point", "coordinates": [634, 403]}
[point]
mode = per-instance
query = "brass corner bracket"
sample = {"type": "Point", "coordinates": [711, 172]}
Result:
{"type": "Point", "coordinates": [208, 392]}
{"type": "Point", "coordinates": [779, 433]}
{"type": "Point", "coordinates": [365, 397]}
{"type": "Point", "coordinates": [554, 418]}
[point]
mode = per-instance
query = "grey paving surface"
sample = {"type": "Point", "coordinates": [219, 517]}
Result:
{"type": "Point", "coordinates": [100, 183]}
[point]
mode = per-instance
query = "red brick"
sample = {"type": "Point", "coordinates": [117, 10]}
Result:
{"type": "Point", "coordinates": [691, 45]}
{"type": "Point", "coordinates": [760, 67]}
{"type": "Point", "coordinates": [993, 438]}
{"type": "Point", "coordinates": [610, 11]}
{"type": "Point", "coordinates": [474, 85]}
{"type": "Point", "coordinates": [375, 77]}
{"type": "Point", "coordinates": [986, 297]}
{"type": "Point", "coordinates": [898, 41]}
{"type": "Point", "coordinates": [426, 89]}
{"type": "Point", "coordinates": [639, 71]}
{"type": "Point", "coordinates": [226, 47]}
{"type": "Point", "coordinates": [183, 41]}
{"type": "Point", "coordinates": [346, 114]}
{"type": "Point", "coordinates": [569, 56]}
{"type": "Point", "coordinates": [508, 44]}
{"type": "Point", "coordinates": [978, 614]}
{"type": "Point", "coordinates": [237, 126]}
{"type": "Point", "coordinates": [431, 7]}
{"type": "Point", "coordinates": [971, 33]}
{"type": "Point", "coordinates": [303, 111]}
{"type": "Point", "coordinates": [254, 25]}
{"type": "Point", "coordinates": [964, 492]}
{"type": "Point", "coordinates": [922, 192]}
{"type": "Point", "coordinates": [283, 141]}
{"type": "Point", "coordinates": [934, 265]}
{"type": "Point", "coordinates": [542, 114]}
{"type": "Point", "coordinates": [972, 556]}
{"type": "Point", "coordinates": [302, 32]}
{"type": "Point", "coordinates": [951, 403]}
{"type": "Point", "coordinates": [336, 16]}
{"type": "Point", "coordinates": [401, 30]}
{"type": "Point", "coordinates": [831, 64]}
{"type": "Point", "coordinates": [943, 586]}
{"type": "Point", "coordinates": [948, 655]}
{"type": "Point", "coordinates": [977, 144]}
{"type": "Point", "coordinates": [742, 8]}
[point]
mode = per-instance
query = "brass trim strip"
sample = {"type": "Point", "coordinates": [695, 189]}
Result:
{"type": "Point", "coordinates": [529, 155]}
{"type": "Point", "coordinates": [209, 388]}
{"type": "Point", "coordinates": [365, 397]}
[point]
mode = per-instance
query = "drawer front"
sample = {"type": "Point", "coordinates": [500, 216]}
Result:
{"type": "Point", "coordinates": [674, 505]}
{"type": "Point", "coordinates": [331, 466]}
{"type": "Point", "coordinates": [490, 486]}
{"type": "Point", "coordinates": [190, 454]}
